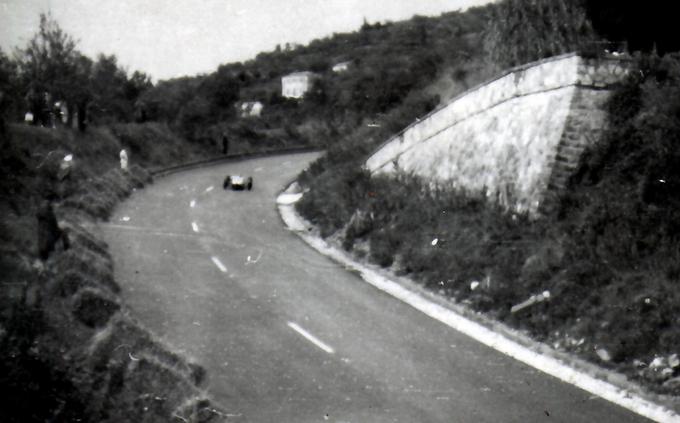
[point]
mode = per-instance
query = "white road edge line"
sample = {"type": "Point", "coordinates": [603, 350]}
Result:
{"type": "Point", "coordinates": [549, 365]}
{"type": "Point", "coordinates": [219, 264]}
{"type": "Point", "coordinates": [311, 338]}
{"type": "Point", "coordinates": [194, 226]}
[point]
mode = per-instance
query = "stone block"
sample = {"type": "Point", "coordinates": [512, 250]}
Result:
{"type": "Point", "coordinates": [94, 308]}
{"type": "Point", "coordinates": [68, 283]}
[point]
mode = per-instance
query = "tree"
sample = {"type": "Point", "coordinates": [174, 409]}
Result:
{"type": "Point", "coordinates": [192, 117]}
{"type": "Point", "coordinates": [222, 88]}
{"type": "Point", "coordinates": [8, 91]}
{"type": "Point", "coordinates": [108, 88]}
{"type": "Point", "coordinates": [82, 93]}
{"type": "Point", "coordinates": [50, 67]}
{"type": "Point", "coordinates": [137, 84]}
{"type": "Point", "coordinates": [522, 31]}
{"type": "Point", "coordinates": [135, 87]}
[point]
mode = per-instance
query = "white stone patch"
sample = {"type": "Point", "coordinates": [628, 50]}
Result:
{"type": "Point", "coordinates": [287, 199]}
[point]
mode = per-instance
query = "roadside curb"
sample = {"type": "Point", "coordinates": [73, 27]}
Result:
{"type": "Point", "coordinates": [586, 376]}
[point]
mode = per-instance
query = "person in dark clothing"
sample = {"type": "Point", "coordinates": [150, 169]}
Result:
{"type": "Point", "coordinates": [225, 144]}
{"type": "Point", "coordinates": [49, 232]}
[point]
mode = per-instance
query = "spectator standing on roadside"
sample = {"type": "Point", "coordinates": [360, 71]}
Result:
{"type": "Point", "coordinates": [48, 112]}
{"type": "Point", "coordinates": [65, 166]}
{"type": "Point", "coordinates": [49, 232]}
{"type": "Point", "coordinates": [225, 144]}
{"type": "Point", "coordinates": [123, 160]}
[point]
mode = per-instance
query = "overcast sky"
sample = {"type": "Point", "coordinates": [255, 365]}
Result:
{"type": "Point", "coordinates": [169, 38]}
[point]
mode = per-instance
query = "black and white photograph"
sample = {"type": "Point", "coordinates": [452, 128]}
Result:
{"type": "Point", "coordinates": [343, 211]}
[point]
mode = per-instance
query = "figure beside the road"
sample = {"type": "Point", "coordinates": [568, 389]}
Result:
{"type": "Point", "coordinates": [225, 144]}
{"type": "Point", "coordinates": [65, 166]}
{"type": "Point", "coordinates": [123, 160]}
{"type": "Point", "coordinates": [49, 232]}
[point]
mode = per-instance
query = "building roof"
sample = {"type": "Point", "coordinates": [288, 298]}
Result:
{"type": "Point", "coordinates": [302, 73]}
{"type": "Point", "coordinates": [342, 64]}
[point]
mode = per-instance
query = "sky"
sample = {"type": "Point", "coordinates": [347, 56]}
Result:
{"type": "Point", "coordinates": [171, 38]}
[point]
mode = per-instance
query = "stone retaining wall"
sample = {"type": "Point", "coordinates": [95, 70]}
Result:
{"type": "Point", "coordinates": [515, 139]}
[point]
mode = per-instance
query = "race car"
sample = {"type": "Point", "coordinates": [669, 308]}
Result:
{"type": "Point", "coordinates": [238, 182]}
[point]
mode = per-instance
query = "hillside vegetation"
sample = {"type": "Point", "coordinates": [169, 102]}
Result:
{"type": "Point", "coordinates": [61, 319]}
{"type": "Point", "coordinates": [58, 307]}
{"type": "Point", "coordinates": [605, 262]}
{"type": "Point", "coordinates": [391, 65]}
{"type": "Point", "coordinates": [608, 255]}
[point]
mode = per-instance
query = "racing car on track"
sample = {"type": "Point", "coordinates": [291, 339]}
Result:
{"type": "Point", "coordinates": [238, 182]}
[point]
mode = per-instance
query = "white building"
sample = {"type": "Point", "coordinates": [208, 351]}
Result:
{"type": "Point", "coordinates": [250, 109]}
{"type": "Point", "coordinates": [295, 85]}
{"type": "Point", "coordinates": [341, 67]}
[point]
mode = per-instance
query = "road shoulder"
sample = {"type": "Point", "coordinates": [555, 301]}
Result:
{"type": "Point", "coordinates": [606, 384]}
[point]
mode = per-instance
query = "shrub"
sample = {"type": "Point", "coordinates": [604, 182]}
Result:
{"type": "Point", "coordinates": [334, 198]}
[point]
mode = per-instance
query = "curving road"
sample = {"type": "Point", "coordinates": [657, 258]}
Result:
{"type": "Point", "coordinates": [288, 335]}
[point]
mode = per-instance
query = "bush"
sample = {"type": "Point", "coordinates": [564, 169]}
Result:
{"type": "Point", "coordinates": [33, 386]}
{"type": "Point", "coordinates": [330, 212]}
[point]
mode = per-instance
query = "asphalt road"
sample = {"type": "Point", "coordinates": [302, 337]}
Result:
{"type": "Point", "coordinates": [287, 335]}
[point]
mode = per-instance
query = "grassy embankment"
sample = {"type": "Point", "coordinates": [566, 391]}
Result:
{"type": "Point", "coordinates": [609, 255]}
{"type": "Point", "coordinates": [68, 349]}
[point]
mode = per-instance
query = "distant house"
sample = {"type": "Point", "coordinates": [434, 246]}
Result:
{"type": "Point", "coordinates": [250, 108]}
{"type": "Point", "coordinates": [295, 85]}
{"type": "Point", "coordinates": [341, 67]}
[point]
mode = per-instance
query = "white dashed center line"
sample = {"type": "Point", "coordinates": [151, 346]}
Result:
{"type": "Point", "coordinates": [194, 226]}
{"type": "Point", "coordinates": [311, 338]}
{"type": "Point", "coordinates": [192, 204]}
{"type": "Point", "coordinates": [219, 264]}
{"type": "Point", "coordinates": [210, 188]}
